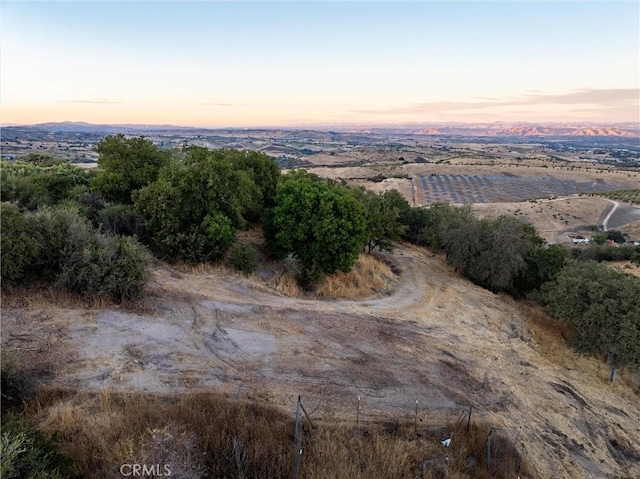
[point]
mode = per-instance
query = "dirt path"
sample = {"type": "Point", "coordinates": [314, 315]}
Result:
{"type": "Point", "coordinates": [608, 213]}
{"type": "Point", "coordinates": [437, 339]}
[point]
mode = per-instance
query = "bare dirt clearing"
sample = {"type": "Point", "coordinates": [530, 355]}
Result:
{"type": "Point", "coordinates": [436, 338]}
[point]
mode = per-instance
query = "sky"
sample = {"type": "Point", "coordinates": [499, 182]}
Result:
{"type": "Point", "coordinates": [249, 64]}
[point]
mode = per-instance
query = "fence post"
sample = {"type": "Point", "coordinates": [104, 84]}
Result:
{"type": "Point", "coordinates": [297, 437]}
{"type": "Point", "coordinates": [469, 420]}
{"type": "Point", "coordinates": [489, 449]}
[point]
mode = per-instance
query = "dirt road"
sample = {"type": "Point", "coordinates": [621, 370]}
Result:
{"type": "Point", "coordinates": [437, 339]}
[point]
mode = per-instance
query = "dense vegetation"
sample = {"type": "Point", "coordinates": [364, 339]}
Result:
{"type": "Point", "coordinates": [59, 245]}
{"type": "Point", "coordinates": [28, 453]}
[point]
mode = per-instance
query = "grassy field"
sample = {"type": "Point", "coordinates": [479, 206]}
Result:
{"type": "Point", "coordinates": [208, 435]}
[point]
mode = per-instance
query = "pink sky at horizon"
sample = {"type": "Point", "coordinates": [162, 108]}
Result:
{"type": "Point", "coordinates": [219, 64]}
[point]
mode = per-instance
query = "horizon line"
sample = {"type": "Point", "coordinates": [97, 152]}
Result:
{"type": "Point", "coordinates": [331, 124]}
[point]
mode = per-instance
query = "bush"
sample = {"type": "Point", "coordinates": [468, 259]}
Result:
{"type": "Point", "coordinates": [491, 252]}
{"type": "Point", "coordinates": [90, 206]}
{"type": "Point", "coordinates": [427, 226]}
{"type": "Point", "coordinates": [121, 220]}
{"type": "Point", "coordinates": [27, 453]}
{"type": "Point", "coordinates": [32, 186]}
{"type": "Point", "coordinates": [244, 258]}
{"type": "Point", "coordinates": [71, 252]}
{"type": "Point", "coordinates": [100, 265]}
{"type": "Point", "coordinates": [605, 252]}
{"type": "Point", "coordinates": [18, 243]}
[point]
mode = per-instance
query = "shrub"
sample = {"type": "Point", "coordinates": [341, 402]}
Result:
{"type": "Point", "coordinates": [31, 186]}
{"type": "Point", "coordinates": [491, 252]}
{"type": "Point", "coordinates": [244, 258]}
{"type": "Point", "coordinates": [427, 226]}
{"type": "Point", "coordinates": [19, 246]}
{"type": "Point", "coordinates": [605, 252]}
{"type": "Point", "coordinates": [99, 265]}
{"type": "Point", "coordinates": [75, 255]}
{"type": "Point", "coordinates": [91, 204]}
{"type": "Point", "coordinates": [121, 220]}
{"type": "Point", "coordinates": [27, 453]}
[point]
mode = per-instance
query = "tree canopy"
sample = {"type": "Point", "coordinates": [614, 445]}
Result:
{"type": "Point", "coordinates": [491, 251]}
{"type": "Point", "coordinates": [382, 217]}
{"type": "Point", "coordinates": [603, 306]}
{"type": "Point", "coordinates": [126, 165]}
{"type": "Point", "coordinates": [320, 223]}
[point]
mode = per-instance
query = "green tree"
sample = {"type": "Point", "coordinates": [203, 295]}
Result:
{"type": "Point", "coordinates": [321, 224]}
{"type": "Point", "coordinates": [265, 173]}
{"type": "Point", "coordinates": [491, 251]}
{"type": "Point", "coordinates": [382, 217]}
{"type": "Point", "coordinates": [218, 183]}
{"type": "Point", "coordinates": [126, 165]}
{"type": "Point", "coordinates": [542, 264]}
{"type": "Point", "coordinates": [426, 226]}
{"type": "Point", "coordinates": [192, 209]}
{"type": "Point", "coordinates": [602, 304]}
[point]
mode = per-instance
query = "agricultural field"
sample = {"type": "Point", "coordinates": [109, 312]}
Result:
{"type": "Point", "coordinates": [559, 201]}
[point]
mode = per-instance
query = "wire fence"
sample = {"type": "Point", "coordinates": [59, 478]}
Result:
{"type": "Point", "coordinates": [428, 420]}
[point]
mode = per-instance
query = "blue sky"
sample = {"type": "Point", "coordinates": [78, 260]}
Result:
{"type": "Point", "coordinates": [285, 63]}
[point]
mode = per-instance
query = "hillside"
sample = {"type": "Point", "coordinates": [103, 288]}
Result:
{"type": "Point", "coordinates": [436, 338]}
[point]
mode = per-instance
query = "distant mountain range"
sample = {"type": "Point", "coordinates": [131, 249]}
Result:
{"type": "Point", "coordinates": [497, 129]}
{"type": "Point", "coordinates": [533, 130]}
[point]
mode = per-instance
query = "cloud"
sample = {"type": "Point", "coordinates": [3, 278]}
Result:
{"type": "Point", "coordinates": [596, 98]}
{"type": "Point", "coordinates": [100, 101]}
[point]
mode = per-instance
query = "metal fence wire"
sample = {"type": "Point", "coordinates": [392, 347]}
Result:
{"type": "Point", "coordinates": [427, 419]}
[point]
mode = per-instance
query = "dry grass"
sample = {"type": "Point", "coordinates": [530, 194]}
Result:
{"type": "Point", "coordinates": [551, 338]}
{"type": "Point", "coordinates": [288, 285]}
{"type": "Point", "coordinates": [624, 267]}
{"type": "Point", "coordinates": [39, 297]}
{"type": "Point", "coordinates": [369, 276]}
{"type": "Point", "coordinates": [206, 435]}
{"type": "Point", "coordinates": [200, 268]}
